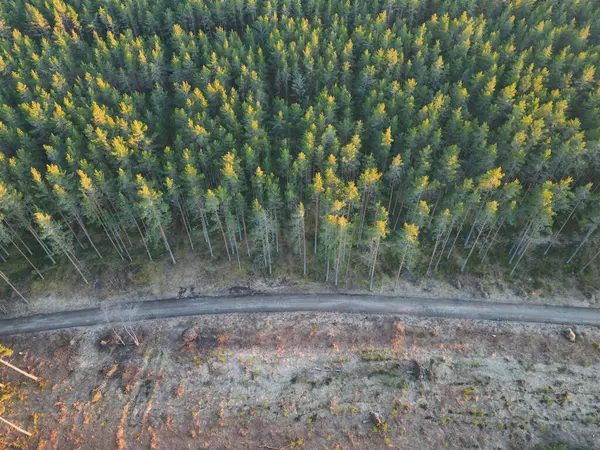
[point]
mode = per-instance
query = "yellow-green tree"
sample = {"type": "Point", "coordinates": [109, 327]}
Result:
{"type": "Point", "coordinates": [317, 189]}
{"type": "Point", "coordinates": [60, 241]}
{"type": "Point", "coordinates": [407, 245]}
{"type": "Point", "coordinates": [378, 232]}
{"type": "Point", "coordinates": [155, 213]}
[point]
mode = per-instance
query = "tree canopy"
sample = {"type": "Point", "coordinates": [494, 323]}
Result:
{"type": "Point", "coordinates": [392, 128]}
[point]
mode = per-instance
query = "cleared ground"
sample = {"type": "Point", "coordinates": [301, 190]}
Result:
{"type": "Point", "coordinates": [307, 380]}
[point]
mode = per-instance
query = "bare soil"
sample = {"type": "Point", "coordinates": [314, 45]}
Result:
{"type": "Point", "coordinates": [310, 381]}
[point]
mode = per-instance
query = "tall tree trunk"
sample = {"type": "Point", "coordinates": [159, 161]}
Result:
{"type": "Point", "coordinates": [137, 225]}
{"type": "Point", "coordinates": [166, 242]}
{"type": "Point", "coordinates": [348, 262]}
{"type": "Point", "coordinates": [87, 235]}
{"type": "Point", "coordinates": [122, 244]}
{"type": "Point", "coordinates": [116, 238]}
{"type": "Point", "coordinates": [485, 241]}
{"type": "Point", "coordinates": [493, 239]}
{"type": "Point", "coordinates": [515, 249]}
{"type": "Point", "coordinates": [393, 211]}
{"type": "Point", "coordinates": [185, 224]}
{"type": "Point", "coordinates": [589, 233]}
{"type": "Point", "coordinates": [363, 213]}
{"type": "Point", "coordinates": [71, 229]}
{"type": "Point", "coordinates": [374, 263]}
{"type": "Point", "coordinates": [590, 261]}
{"type": "Point", "coordinates": [18, 237]}
{"type": "Point", "coordinates": [276, 230]}
{"type": "Point", "coordinates": [5, 278]}
{"type": "Point", "coordinates": [224, 238]}
{"type": "Point", "coordinates": [474, 222]}
{"type": "Point", "coordinates": [327, 268]}
{"type": "Point", "coordinates": [448, 235]}
{"type": "Point", "coordinates": [521, 257]}
{"type": "Point", "coordinates": [237, 253]}
{"type": "Point", "coordinates": [437, 202]}
{"type": "Point", "coordinates": [230, 236]}
{"type": "Point", "coordinates": [268, 250]}
{"type": "Point", "coordinates": [341, 248]}
{"type": "Point", "coordinates": [125, 232]}
{"type": "Point", "coordinates": [76, 266]}
{"type": "Point", "coordinates": [39, 240]}
{"type": "Point", "coordinates": [203, 219]}
{"type": "Point", "coordinates": [437, 240]}
{"type": "Point", "coordinates": [316, 221]}
{"type": "Point", "coordinates": [100, 216]}
{"type": "Point", "coordinates": [28, 260]}
{"type": "Point", "coordinates": [399, 270]}
{"type": "Point", "coordinates": [399, 214]}
{"type": "Point", "coordinates": [304, 245]}
{"type": "Point", "coordinates": [456, 238]}
{"type": "Point", "coordinates": [101, 221]}
{"type": "Point", "coordinates": [473, 246]}
{"type": "Point", "coordinates": [245, 235]}
{"type": "Point", "coordinates": [555, 237]}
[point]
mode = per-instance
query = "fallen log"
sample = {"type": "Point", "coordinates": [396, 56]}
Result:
{"type": "Point", "coordinates": [10, 424]}
{"type": "Point", "coordinates": [22, 372]}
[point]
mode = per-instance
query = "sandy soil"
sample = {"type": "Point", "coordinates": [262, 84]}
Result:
{"type": "Point", "coordinates": [307, 381]}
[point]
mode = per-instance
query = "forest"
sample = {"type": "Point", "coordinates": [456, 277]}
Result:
{"type": "Point", "coordinates": [396, 136]}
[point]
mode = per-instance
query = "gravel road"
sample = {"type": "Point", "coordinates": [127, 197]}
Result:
{"type": "Point", "coordinates": [412, 306]}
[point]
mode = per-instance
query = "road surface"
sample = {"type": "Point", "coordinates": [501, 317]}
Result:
{"type": "Point", "coordinates": [412, 306]}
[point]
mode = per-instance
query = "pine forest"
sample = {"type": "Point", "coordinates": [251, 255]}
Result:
{"type": "Point", "coordinates": [355, 138]}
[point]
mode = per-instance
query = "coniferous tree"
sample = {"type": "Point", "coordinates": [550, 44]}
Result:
{"type": "Point", "coordinates": [59, 239]}
{"type": "Point", "coordinates": [216, 105]}
{"type": "Point", "coordinates": [262, 231]}
{"type": "Point", "coordinates": [299, 234]}
{"type": "Point", "coordinates": [378, 232]}
{"type": "Point", "coordinates": [407, 243]}
{"type": "Point", "coordinates": [6, 239]}
{"type": "Point", "coordinates": [155, 214]}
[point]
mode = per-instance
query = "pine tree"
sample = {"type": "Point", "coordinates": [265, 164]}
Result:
{"type": "Point", "coordinates": [378, 232]}
{"type": "Point", "coordinates": [12, 203]}
{"type": "Point", "coordinates": [261, 234]}
{"type": "Point", "coordinates": [92, 198]}
{"type": "Point", "coordinates": [217, 104]}
{"type": "Point", "coordinates": [6, 239]}
{"type": "Point", "coordinates": [367, 185]}
{"type": "Point", "coordinates": [155, 214]}
{"type": "Point", "coordinates": [407, 244]}
{"type": "Point", "coordinates": [196, 200]}
{"type": "Point", "coordinates": [5, 278]}
{"type": "Point", "coordinates": [59, 239]}
{"type": "Point", "coordinates": [489, 213]}
{"type": "Point", "coordinates": [317, 189]}
{"type": "Point", "coordinates": [213, 204]}
{"type": "Point", "coordinates": [299, 234]}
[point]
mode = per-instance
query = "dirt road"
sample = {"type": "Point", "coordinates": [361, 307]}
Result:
{"type": "Point", "coordinates": [412, 306]}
